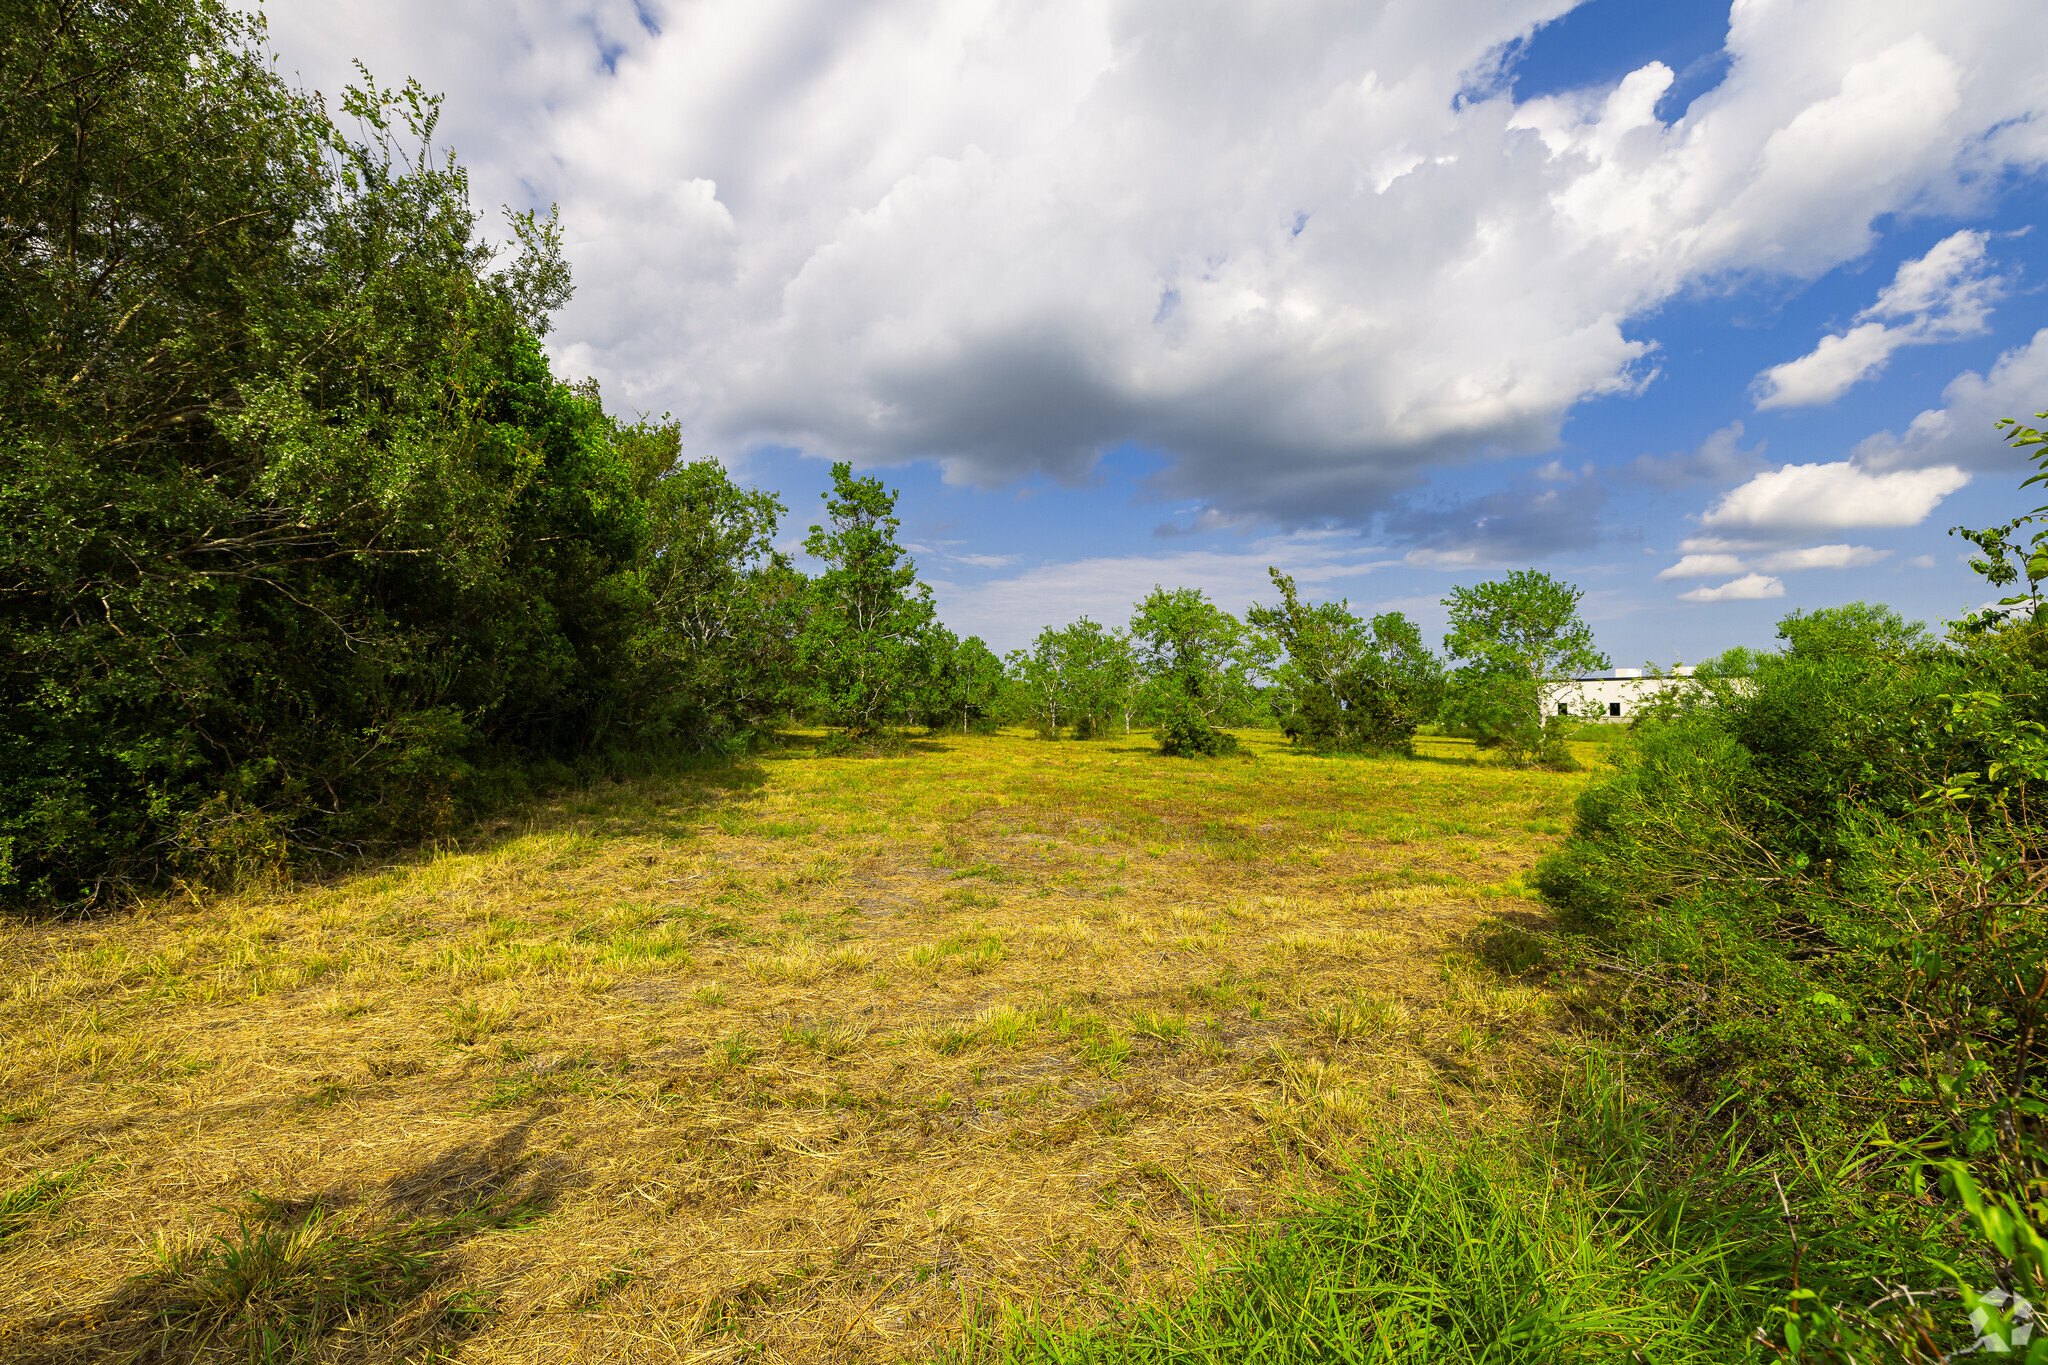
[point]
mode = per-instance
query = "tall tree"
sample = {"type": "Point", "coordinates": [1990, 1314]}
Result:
{"type": "Point", "coordinates": [715, 654]}
{"type": "Point", "coordinates": [1193, 647]}
{"type": "Point", "coordinates": [1521, 639]}
{"type": "Point", "coordinates": [1354, 684]}
{"type": "Point", "coordinates": [1198, 663]}
{"type": "Point", "coordinates": [862, 648]}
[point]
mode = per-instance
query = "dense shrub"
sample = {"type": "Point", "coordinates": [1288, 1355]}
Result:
{"type": "Point", "coordinates": [1815, 878]}
{"type": "Point", "coordinates": [296, 528]}
{"type": "Point", "coordinates": [1184, 732]}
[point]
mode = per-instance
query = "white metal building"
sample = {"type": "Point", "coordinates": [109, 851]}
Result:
{"type": "Point", "coordinates": [1611, 696]}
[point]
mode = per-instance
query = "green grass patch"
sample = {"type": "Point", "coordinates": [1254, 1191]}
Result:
{"type": "Point", "coordinates": [36, 1197]}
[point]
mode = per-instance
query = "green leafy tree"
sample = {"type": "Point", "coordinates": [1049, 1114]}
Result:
{"type": "Point", "coordinates": [1854, 628]}
{"type": "Point", "coordinates": [300, 541]}
{"type": "Point", "coordinates": [1352, 684]}
{"type": "Point", "coordinates": [964, 683]}
{"type": "Point", "coordinates": [716, 652]}
{"type": "Point", "coordinates": [1083, 675]}
{"type": "Point", "coordinates": [1198, 662]}
{"type": "Point", "coordinates": [862, 649]}
{"type": "Point", "coordinates": [1038, 684]}
{"type": "Point", "coordinates": [1521, 639]}
{"type": "Point", "coordinates": [1102, 679]}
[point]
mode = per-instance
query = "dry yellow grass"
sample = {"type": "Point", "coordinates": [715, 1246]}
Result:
{"type": "Point", "coordinates": [786, 1062]}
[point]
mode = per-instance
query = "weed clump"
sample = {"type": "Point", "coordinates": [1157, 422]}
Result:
{"type": "Point", "coordinates": [291, 1277]}
{"type": "Point", "coordinates": [36, 1197]}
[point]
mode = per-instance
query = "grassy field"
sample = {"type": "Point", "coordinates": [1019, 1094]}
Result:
{"type": "Point", "coordinates": [797, 1060]}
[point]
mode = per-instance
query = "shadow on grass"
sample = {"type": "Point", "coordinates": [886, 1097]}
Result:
{"type": "Point", "coordinates": [834, 745]}
{"type": "Point", "coordinates": [344, 1276]}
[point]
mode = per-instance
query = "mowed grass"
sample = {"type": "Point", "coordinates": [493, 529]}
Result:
{"type": "Point", "coordinates": [799, 1060]}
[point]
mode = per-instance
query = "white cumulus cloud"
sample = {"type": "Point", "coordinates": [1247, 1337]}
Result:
{"type": "Point", "coordinates": [1942, 296]}
{"type": "Point", "coordinates": [1839, 494]}
{"type": "Point", "coordinates": [1823, 557]}
{"type": "Point", "coordinates": [1719, 561]}
{"type": "Point", "coordinates": [1749, 588]}
{"type": "Point", "coordinates": [1270, 242]}
{"type": "Point", "coordinates": [1704, 566]}
{"type": "Point", "coordinates": [1962, 432]}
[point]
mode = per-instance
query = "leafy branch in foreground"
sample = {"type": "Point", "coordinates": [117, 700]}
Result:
{"type": "Point", "coordinates": [2000, 544]}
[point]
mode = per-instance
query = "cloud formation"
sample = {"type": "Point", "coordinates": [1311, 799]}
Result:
{"type": "Point", "coordinates": [1835, 495]}
{"type": "Point", "coordinates": [1942, 296]}
{"type": "Point", "coordinates": [1749, 588]}
{"type": "Point", "coordinates": [1713, 563]}
{"type": "Point", "coordinates": [1962, 432]}
{"type": "Point", "coordinates": [1703, 566]}
{"type": "Point", "coordinates": [1823, 557]}
{"type": "Point", "coordinates": [1272, 243]}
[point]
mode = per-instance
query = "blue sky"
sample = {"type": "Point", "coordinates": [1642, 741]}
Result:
{"type": "Point", "coordinates": [1711, 321]}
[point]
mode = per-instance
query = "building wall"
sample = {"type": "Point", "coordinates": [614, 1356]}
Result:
{"type": "Point", "coordinates": [1597, 698]}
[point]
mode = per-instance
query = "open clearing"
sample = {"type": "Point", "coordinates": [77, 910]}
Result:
{"type": "Point", "coordinates": [787, 1061]}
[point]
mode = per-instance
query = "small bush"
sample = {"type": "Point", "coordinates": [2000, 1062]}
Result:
{"type": "Point", "coordinates": [1186, 733]}
{"type": "Point", "coordinates": [1552, 751]}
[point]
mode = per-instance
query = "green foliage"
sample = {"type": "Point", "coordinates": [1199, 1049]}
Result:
{"type": "Point", "coordinates": [965, 681]}
{"type": "Point", "coordinates": [1199, 663]}
{"type": "Point", "coordinates": [2001, 544]}
{"type": "Point", "coordinates": [1522, 638]}
{"type": "Point", "coordinates": [1490, 1251]}
{"type": "Point", "coordinates": [1857, 629]}
{"type": "Point", "coordinates": [1527, 622]}
{"type": "Point", "coordinates": [1809, 892]}
{"type": "Point", "coordinates": [1082, 676]}
{"type": "Point", "coordinates": [1499, 711]}
{"type": "Point", "coordinates": [715, 652]}
{"type": "Point", "coordinates": [1903, 1325]}
{"type": "Point", "coordinates": [1814, 865]}
{"type": "Point", "coordinates": [1352, 685]}
{"type": "Point", "coordinates": [1502, 712]}
{"type": "Point", "coordinates": [1184, 732]}
{"type": "Point", "coordinates": [862, 649]}
{"type": "Point", "coordinates": [1766, 853]}
{"type": "Point", "coordinates": [298, 534]}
